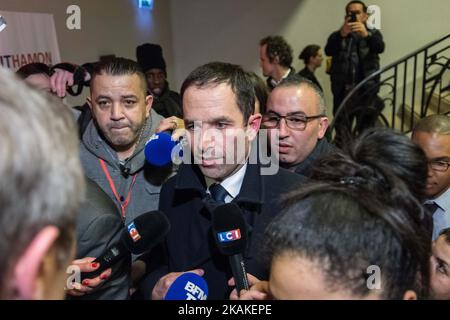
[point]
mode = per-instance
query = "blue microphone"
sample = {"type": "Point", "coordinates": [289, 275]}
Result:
{"type": "Point", "coordinates": [188, 286]}
{"type": "Point", "coordinates": [159, 148]}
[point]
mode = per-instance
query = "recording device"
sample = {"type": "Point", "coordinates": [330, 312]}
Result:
{"type": "Point", "coordinates": [351, 16]}
{"type": "Point", "coordinates": [160, 150]}
{"type": "Point", "coordinates": [138, 237]}
{"type": "Point", "coordinates": [188, 286]}
{"type": "Point", "coordinates": [230, 234]}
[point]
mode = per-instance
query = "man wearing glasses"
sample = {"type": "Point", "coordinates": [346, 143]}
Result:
{"type": "Point", "coordinates": [296, 108]}
{"type": "Point", "coordinates": [432, 134]}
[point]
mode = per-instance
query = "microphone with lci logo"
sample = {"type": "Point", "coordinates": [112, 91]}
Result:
{"type": "Point", "coordinates": [230, 234]}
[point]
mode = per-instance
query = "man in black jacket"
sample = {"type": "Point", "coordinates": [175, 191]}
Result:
{"type": "Point", "coordinates": [218, 108]}
{"type": "Point", "coordinates": [355, 53]}
{"type": "Point", "coordinates": [296, 109]}
{"type": "Point", "coordinates": [165, 101]}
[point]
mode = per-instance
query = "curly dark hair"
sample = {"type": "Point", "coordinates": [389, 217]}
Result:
{"type": "Point", "coordinates": [278, 47]}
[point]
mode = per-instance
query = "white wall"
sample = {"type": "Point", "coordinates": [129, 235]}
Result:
{"type": "Point", "coordinates": [193, 32]}
{"type": "Point", "coordinates": [206, 30]}
{"type": "Point", "coordinates": [107, 27]}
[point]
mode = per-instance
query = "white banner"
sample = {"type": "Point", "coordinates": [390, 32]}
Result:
{"type": "Point", "coordinates": [27, 38]}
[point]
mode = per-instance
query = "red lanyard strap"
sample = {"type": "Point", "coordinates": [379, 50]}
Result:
{"type": "Point", "coordinates": [123, 204]}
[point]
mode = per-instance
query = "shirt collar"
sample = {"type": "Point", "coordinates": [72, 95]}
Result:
{"type": "Point", "coordinates": [275, 83]}
{"type": "Point", "coordinates": [443, 201]}
{"type": "Point", "coordinates": [233, 183]}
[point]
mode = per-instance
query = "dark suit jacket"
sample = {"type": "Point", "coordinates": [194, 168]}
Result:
{"type": "Point", "coordinates": [99, 226]}
{"type": "Point", "coordinates": [190, 243]}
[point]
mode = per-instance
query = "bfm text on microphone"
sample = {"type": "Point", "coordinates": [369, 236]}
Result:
{"type": "Point", "coordinates": [188, 286]}
{"type": "Point", "coordinates": [230, 233]}
{"type": "Point", "coordinates": [138, 237]}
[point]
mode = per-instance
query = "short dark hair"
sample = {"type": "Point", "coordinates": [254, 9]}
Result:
{"type": "Point", "coordinates": [119, 67]}
{"type": "Point", "coordinates": [309, 52]}
{"type": "Point", "coordinates": [296, 80]}
{"type": "Point", "coordinates": [216, 73]}
{"type": "Point", "coordinates": [278, 47]}
{"type": "Point", "coordinates": [356, 213]}
{"type": "Point", "coordinates": [261, 91]}
{"type": "Point", "coordinates": [356, 2]}
{"type": "Point", "coordinates": [33, 68]}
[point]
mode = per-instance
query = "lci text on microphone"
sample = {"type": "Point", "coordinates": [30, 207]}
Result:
{"type": "Point", "coordinates": [230, 234]}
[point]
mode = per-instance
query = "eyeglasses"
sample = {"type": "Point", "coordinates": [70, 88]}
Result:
{"type": "Point", "coordinates": [439, 165]}
{"type": "Point", "coordinates": [293, 121]}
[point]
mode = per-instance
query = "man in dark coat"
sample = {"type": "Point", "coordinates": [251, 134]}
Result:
{"type": "Point", "coordinates": [218, 108]}
{"type": "Point", "coordinates": [355, 51]}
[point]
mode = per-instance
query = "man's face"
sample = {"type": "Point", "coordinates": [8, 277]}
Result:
{"type": "Point", "coordinates": [218, 136]}
{"type": "Point", "coordinates": [437, 148]}
{"type": "Point", "coordinates": [293, 277]}
{"type": "Point", "coordinates": [294, 146]}
{"type": "Point", "coordinates": [440, 269]}
{"type": "Point", "coordinates": [358, 10]}
{"type": "Point", "coordinates": [156, 81]}
{"type": "Point", "coordinates": [39, 81]}
{"type": "Point", "coordinates": [120, 107]}
{"type": "Point", "coordinates": [264, 62]}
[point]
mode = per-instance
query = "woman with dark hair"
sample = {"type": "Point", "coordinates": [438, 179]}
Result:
{"type": "Point", "coordinates": [312, 56]}
{"type": "Point", "coordinates": [356, 231]}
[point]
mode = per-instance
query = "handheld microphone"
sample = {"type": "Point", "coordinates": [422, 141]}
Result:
{"type": "Point", "coordinates": [138, 237]}
{"type": "Point", "coordinates": [188, 286]}
{"type": "Point", "coordinates": [159, 149]}
{"type": "Point", "coordinates": [230, 233]}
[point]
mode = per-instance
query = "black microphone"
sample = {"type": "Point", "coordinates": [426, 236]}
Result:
{"type": "Point", "coordinates": [138, 237]}
{"type": "Point", "coordinates": [230, 233]}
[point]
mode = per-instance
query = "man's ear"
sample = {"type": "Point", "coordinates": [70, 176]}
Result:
{"type": "Point", "coordinates": [27, 278]}
{"type": "Point", "coordinates": [410, 295]}
{"type": "Point", "coordinates": [148, 105]}
{"type": "Point", "coordinates": [323, 126]}
{"type": "Point", "coordinates": [89, 102]}
{"type": "Point", "coordinates": [253, 125]}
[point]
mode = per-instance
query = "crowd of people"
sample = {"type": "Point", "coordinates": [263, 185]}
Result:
{"type": "Point", "coordinates": [367, 219]}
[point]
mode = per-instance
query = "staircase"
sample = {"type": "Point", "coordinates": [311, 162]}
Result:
{"type": "Point", "coordinates": [410, 88]}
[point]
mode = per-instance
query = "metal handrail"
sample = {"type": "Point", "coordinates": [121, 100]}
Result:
{"type": "Point", "coordinates": [389, 67]}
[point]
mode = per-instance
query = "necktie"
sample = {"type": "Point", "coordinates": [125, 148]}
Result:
{"type": "Point", "coordinates": [430, 209]}
{"type": "Point", "coordinates": [218, 193]}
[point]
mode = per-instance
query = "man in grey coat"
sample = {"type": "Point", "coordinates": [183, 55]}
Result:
{"type": "Point", "coordinates": [112, 146]}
